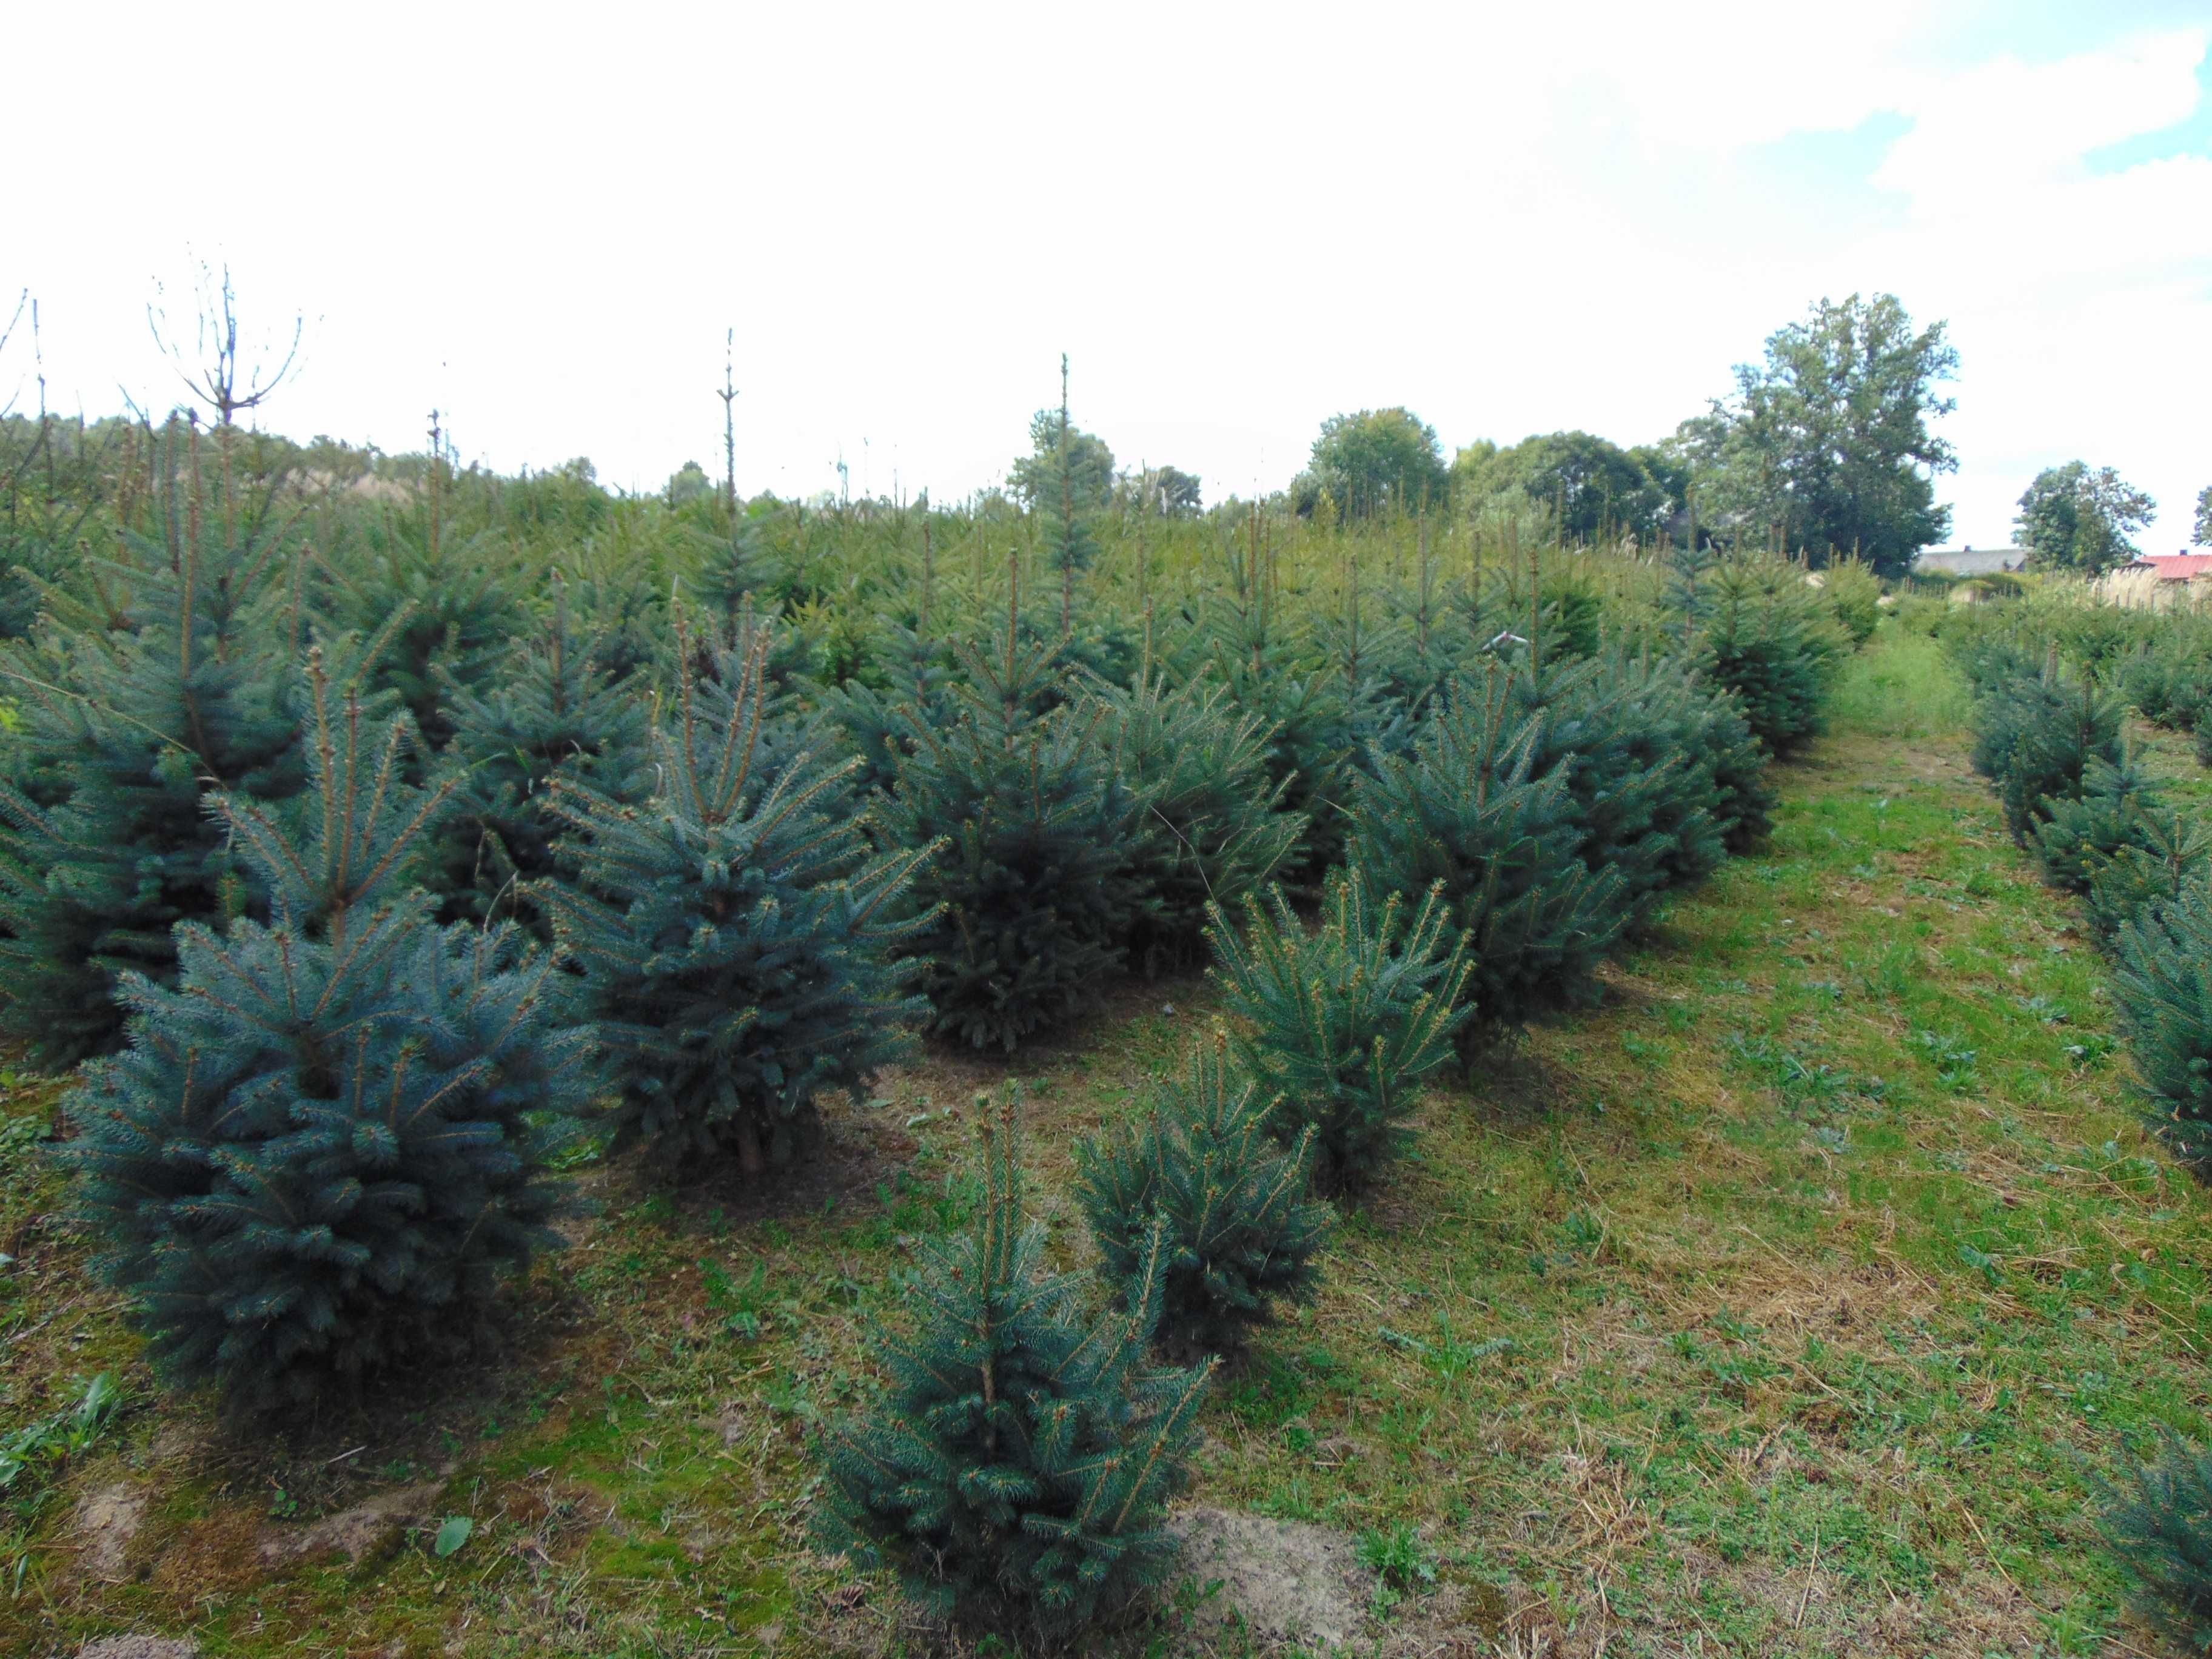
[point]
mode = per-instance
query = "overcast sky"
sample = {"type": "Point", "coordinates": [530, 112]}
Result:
{"type": "Point", "coordinates": [1237, 221]}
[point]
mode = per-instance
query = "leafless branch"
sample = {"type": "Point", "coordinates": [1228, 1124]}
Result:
{"type": "Point", "coordinates": [218, 372]}
{"type": "Point", "coordinates": [23, 304]}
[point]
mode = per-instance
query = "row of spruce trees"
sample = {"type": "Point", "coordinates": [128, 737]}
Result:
{"type": "Point", "coordinates": [2157, 661]}
{"type": "Point", "coordinates": [2050, 739]}
{"type": "Point", "coordinates": [374, 891]}
{"type": "Point", "coordinates": [1016, 1470]}
{"type": "Point", "coordinates": [2049, 736]}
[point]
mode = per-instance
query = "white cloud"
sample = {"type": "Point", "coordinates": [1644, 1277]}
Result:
{"type": "Point", "coordinates": [1237, 220]}
{"type": "Point", "coordinates": [1996, 135]}
{"type": "Point", "coordinates": [2081, 300]}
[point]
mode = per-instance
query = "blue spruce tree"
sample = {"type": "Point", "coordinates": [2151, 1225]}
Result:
{"type": "Point", "coordinates": [1036, 891]}
{"type": "Point", "coordinates": [1016, 1470]}
{"type": "Point", "coordinates": [554, 714]}
{"type": "Point", "coordinates": [321, 1150]}
{"type": "Point", "coordinates": [1467, 815]}
{"type": "Point", "coordinates": [180, 684]}
{"type": "Point", "coordinates": [741, 949]}
{"type": "Point", "coordinates": [1242, 1231]}
{"type": "Point", "coordinates": [1344, 1024]}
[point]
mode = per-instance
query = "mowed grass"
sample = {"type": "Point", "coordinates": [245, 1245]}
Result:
{"type": "Point", "coordinates": [1788, 1304]}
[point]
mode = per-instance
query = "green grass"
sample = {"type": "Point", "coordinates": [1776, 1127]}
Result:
{"type": "Point", "coordinates": [1782, 1305]}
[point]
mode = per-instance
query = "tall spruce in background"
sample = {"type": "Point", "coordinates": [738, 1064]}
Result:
{"type": "Point", "coordinates": [1687, 594]}
{"type": "Point", "coordinates": [1466, 814]}
{"type": "Point", "coordinates": [1070, 547]}
{"type": "Point", "coordinates": [1241, 1233]}
{"type": "Point", "coordinates": [2034, 739]}
{"type": "Point", "coordinates": [1775, 643]}
{"type": "Point", "coordinates": [739, 947]}
{"type": "Point", "coordinates": [1214, 827]}
{"type": "Point", "coordinates": [1015, 1469]}
{"type": "Point", "coordinates": [320, 1152]}
{"type": "Point", "coordinates": [1034, 893]}
{"type": "Point", "coordinates": [551, 713]}
{"type": "Point", "coordinates": [729, 396]}
{"type": "Point", "coordinates": [126, 729]}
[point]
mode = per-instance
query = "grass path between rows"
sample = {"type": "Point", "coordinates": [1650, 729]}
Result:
{"type": "Point", "coordinates": [1784, 1305]}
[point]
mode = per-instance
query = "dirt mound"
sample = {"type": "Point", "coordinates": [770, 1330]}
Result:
{"type": "Point", "coordinates": [1286, 1581]}
{"type": "Point", "coordinates": [140, 1647]}
{"type": "Point", "coordinates": [365, 1531]}
{"type": "Point", "coordinates": [106, 1522]}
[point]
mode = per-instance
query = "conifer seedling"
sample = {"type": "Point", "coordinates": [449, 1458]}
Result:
{"type": "Point", "coordinates": [1213, 828]}
{"type": "Point", "coordinates": [2161, 1524]}
{"type": "Point", "coordinates": [1242, 1231]}
{"type": "Point", "coordinates": [553, 713]}
{"type": "Point", "coordinates": [1344, 1023]}
{"type": "Point", "coordinates": [1015, 1469]}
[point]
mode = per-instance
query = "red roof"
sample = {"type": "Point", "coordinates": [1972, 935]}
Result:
{"type": "Point", "coordinates": [2176, 566]}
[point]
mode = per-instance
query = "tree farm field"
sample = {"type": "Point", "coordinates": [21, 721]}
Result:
{"type": "Point", "coordinates": [1790, 1302]}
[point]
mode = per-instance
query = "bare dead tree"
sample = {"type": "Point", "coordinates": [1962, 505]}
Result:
{"type": "Point", "coordinates": [22, 305]}
{"type": "Point", "coordinates": [223, 372]}
{"type": "Point", "coordinates": [218, 371]}
{"type": "Point", "coordinates": [41, 449]}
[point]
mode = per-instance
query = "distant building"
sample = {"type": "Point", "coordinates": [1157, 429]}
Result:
{"type": "Point", "coordinates": [1969, 561]}
{"type": "Point", "coordinates": [2157, 581]}
{"type": "Point", "coordinates": [2173, 567]}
